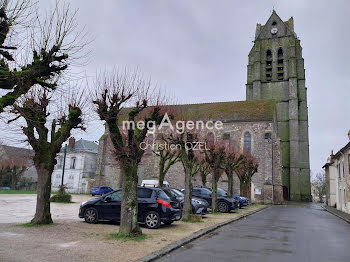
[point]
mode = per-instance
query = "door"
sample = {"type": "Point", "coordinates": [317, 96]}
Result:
{"type": "Point", "coordinates": [111, 206]}
{"type": "Point", "coordinates": [144, 199]}
{"type": "Point", "coordinates": [285, 193]}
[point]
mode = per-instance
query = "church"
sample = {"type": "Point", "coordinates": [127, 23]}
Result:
{"type": "Point", "coordinates": [272, 124]}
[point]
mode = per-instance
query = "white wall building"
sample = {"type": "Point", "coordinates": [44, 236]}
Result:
{"type": "Point", "coordinates": [338, 179]}
{"type": "Point", "coordinates": [80, 166]}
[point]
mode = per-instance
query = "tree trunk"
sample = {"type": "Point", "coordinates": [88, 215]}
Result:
{"type": "Point", "coordinates": [42, 213]}
{"type": "Point", "coordinates": [214, 192]}
{"type": "Point", "coordinates": [187, 208]}
{"type": "Point", "coordinates": [161, 173]}
{"type": "Point", "coordinates": [249, 191]}
{"type": "Point", "coordinates": [128, 220]}
{"type": "Point", "coordinates": [241, 188]}
{"type": "Point", "coordinates": [230, 184]}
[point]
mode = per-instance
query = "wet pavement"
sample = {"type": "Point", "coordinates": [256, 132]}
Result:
{"type": "Point", "coordinates": [303, 233]}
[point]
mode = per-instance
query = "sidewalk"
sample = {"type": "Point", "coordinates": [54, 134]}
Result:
{"type": "Point", "coordinates": [338, 213]}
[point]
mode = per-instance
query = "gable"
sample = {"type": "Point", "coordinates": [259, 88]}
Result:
{"type": "Point", "coordinates": [284, 28]}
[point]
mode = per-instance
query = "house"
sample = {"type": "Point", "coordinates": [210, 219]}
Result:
{"type": "Point", "coordinates": [79, 166]}
{"type": "Point", "coordinates": [19, 162]}
{"type": "Point", "coordinates": [337, 171]}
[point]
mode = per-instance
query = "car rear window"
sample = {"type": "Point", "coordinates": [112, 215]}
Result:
{"type": "Point", "coordinates": [144, 193]}
{"type": "Point", "coordinates": [163, 196]}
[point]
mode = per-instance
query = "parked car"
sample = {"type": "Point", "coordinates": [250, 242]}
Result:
{"type": "Point", "coordinates": [224, 203]}
{"type": "Point", "coordinates": [243, 201]}
{"type": "Point", "coordinates": [5, 188]}
{"type": "Point", "coordinates": [199, 205]}
{"type": "Point", "coordinates": [153, 183]}
{"type": "Point", "coordinates": [100, 190]}
{"type": "Point", "coordinates": [154, 207]}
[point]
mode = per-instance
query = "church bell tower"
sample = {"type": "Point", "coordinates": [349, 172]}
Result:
{"type": "Point", "coordinates": [276, 71]}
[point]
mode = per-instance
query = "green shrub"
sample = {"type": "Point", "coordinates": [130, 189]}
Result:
{"type": "Point", "coordinates": [62, 198]}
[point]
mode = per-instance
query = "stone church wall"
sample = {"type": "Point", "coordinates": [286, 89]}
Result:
{"type": "Point", "coordinates": [108, 171]}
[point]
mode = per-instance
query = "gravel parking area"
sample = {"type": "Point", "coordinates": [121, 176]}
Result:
{"type": "Point", "coordinates": [74, 240]}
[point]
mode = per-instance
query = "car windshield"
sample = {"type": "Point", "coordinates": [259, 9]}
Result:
{"type": "Point", "coordinates": [163, 196]}
{"type": "Point", "coordinates": [169, 193]}
{"type": "Point", "coordinates": [177, 192]}
{"type": "Point", "coordinates": [221, 192]}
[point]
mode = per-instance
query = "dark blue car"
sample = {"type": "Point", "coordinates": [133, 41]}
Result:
{"type": "Point", "coordinates": [243, 201]}
{"type": "Point", "coordinates": [100, 190]}
{"type": "Point", "coordinates": [154, 207]}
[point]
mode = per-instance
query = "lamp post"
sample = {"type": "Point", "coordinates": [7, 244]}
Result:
{"type": "Point", "coordinates": [64, 163]}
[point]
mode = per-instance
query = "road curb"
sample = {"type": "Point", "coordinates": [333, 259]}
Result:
{"type": "Point", "coordinates": [335, 214]}
{"type": "Point", "coordinates": [164, 251]}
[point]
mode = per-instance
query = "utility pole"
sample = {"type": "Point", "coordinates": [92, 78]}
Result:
{"type": "Point", "coordinates": [64, 163]}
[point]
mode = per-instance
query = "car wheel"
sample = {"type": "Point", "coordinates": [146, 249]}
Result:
{"type": "Point", "coordinates": [91, 215]}
{"type": "Point", "coordinates": [239, 205]}
{"type": "Point", "coordinates": [168, 222]}
{"type": "Point", "coordinates": [223, 207]}
{"type": "Point", "coordinates": [152, 220]}
{"type": "Point", "coordinates": [93, 194]}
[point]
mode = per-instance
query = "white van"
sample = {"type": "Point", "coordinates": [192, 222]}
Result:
{"type": "Point", "coordinates": [153, 183]}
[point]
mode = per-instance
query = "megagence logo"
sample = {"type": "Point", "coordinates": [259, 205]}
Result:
{"type": "Point", "coordinates": [179, 127]}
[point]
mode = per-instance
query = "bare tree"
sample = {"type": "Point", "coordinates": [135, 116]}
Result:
{"type": "Point", "coordinates": [245, 172]}
{"type": "Point", "coordinates": [115, 91]}
{"type": "Point", "coordinates": [320, 184]}
{"type": "Point", "coordinates": [11, 171]}
{"type": "Point", "coordinates": [215, 157]}
{"type": "Point", "coordinates": [46, 141]}
{"type": "Point", "coordinates": [232, 162]}
{"type": "Point", "coordinates": [167, 158]}
{"type": "Point", "coordinates": [186, 143]}
{"type": "Point", "coordinates": [55, 42]}
{"type": "Point", "coordinates": [204, 171]}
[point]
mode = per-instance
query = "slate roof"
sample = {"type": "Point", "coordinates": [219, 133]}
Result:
{"type": "Point", "coordinates": [85, 146]}
{"type": "Point", "coordinates": [241, 111]}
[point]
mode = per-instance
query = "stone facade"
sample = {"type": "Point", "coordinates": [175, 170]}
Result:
{"type": "Point", "coordinates": [265, 147]}
{"type": "Point", "coordinates": [276, 71]}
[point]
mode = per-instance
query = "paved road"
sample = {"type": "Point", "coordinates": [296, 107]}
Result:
{"type": "Point", "coordinates": [280, 233]}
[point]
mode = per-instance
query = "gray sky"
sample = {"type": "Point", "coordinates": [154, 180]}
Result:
{"type": "Point", "coordinates": [198, 51]}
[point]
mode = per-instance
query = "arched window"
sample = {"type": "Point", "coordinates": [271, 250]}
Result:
{"type": "Point", "coordinates": [268, 65]}
{"type": "Point", "coordinates": [280, 66]}
{"type": "Point", "coordinates": [210, 139]}
{"type": "Point", "coordinates": [247, 148]}
{"type": "Point", "coordinates": [149, 143]}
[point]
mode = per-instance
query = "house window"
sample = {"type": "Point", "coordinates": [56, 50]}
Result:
{"type": "Point", "coordinates": [210, 139]}
{"type": "Point", "coordinates": [343, 165]}
{"type": "Point", "coordinates": [226, 136]}
{"type": "Point", "coordinates": [247, 143]}
{"type": "Point", "coordinates": [59, 162]}
{"type": "Point", "coordinates": [72, 163]}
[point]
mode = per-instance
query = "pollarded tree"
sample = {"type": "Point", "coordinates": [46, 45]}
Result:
{"type": "Point", "coordinates": [116, 91]}
{"type": "Point", "coordinates": [204, 171]}
{"type": "Point", "coordinates": [245, 172]}
{"type": "Point", "coordinates": [187, 143]}
{"type": "Point", "coordinates": [215, 157]}
{"type": "Point", "coordinates": [53, 42]}
{"type": "Point", "coordinates": [232, 162]}
{"type": "Point", "coordinates": [167, 158]}
{"type": "Point", "coordinates": [46, 141]}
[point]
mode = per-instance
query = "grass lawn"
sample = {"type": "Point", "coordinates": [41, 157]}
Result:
{"type": "Point", "coordinates": [17, 192]}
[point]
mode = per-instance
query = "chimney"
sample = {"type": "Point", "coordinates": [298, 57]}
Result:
{"type": "Point", "coordinates": [71, 143]}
